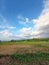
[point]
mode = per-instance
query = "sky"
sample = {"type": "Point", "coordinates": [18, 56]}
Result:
{"type": "Point", "coordinates": [24, 19]}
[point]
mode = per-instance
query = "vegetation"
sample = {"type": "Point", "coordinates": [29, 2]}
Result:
{"type": "Point", "coordinates": [32, 58]}
{"type": "Point", "coordinates": [0, 40]}
{"type": "Point", "coordinates": [27, 41]}
{"type": "Point", "coordinates": [25, 52]}
{"type": "Point", "coordinates": [26, 59]}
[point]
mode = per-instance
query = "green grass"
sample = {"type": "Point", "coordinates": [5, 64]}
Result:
{"type": "Point", "coordinates": [28, 56]}
{"type": "Point", "coordinates": [28, 41]}
{"type": "Point", "coordinates": [32, 58]}
{"type": "Point", "coordinates": [41, 58]}
{"type": "Point", "coordinates": [23, 42]}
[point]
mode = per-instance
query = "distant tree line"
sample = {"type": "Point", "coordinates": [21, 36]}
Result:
{"type": "Point", "coordinates": [34, 39]}
{"type": "Point", "coordinates": [0, 40]}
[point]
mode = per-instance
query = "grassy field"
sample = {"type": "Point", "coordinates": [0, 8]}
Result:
{"type": "Point", "coordinates": [28, 52]}
{"type": "Point", "coordinates": [23, 42]}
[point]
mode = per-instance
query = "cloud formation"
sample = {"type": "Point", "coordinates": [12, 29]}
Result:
{"type": "Point", "coordinates": [4, 23]}
{"type": "Point", "coordinates": [39, 30]}
{"type": "Point", "coordinates": [5, 35]}
{"type": "Point", "coordinates": [41, 24]}
{"type": "Point", "coordinates": [24, 20]}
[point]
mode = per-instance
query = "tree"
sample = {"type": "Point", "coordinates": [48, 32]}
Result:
{"type": "Point", "coordinates": [13, 40]}
{"type": "Point", "coordinates": [0, 41]}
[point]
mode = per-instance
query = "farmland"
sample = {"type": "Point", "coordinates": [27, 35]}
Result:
{"type": "Point", "coordinates": [25, 52]}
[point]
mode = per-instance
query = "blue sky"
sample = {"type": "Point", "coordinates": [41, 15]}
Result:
{"type": "Point", "coordinates": [18, 18]}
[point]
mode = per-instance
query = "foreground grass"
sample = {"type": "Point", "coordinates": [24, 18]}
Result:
{"type": "Point", "coordinates": [26, 59]}
{"type": "Point", "coordinates": [31, 56]}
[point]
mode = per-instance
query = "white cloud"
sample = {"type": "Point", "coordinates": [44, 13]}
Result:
{"type": "Point", "coordinates": [25, 29]}
{"type": "Point", "coordinates": [5, 34]}
{"type": "Point", "coordinates": [4, 23]}
{"type": "Point", "coordinates": [46, 4]}
{"type": "Point", "coordinates": [42, 22]}
{"type": "Point", "coordinates": [27, 33]}
{"type": "Point", "coordinates": [20, 17]}
{"type": "Point", "coordinates": [8, 27]}
{"type": "Point", "coordinates": [23, 20]}
{"type": "Point", "coordinates": [11, 27]}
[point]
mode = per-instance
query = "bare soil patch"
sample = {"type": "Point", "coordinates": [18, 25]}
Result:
{"type": "Point", "coordinates": [21, 48]}
{"type": "Point", "coordinates": [9, 49]}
